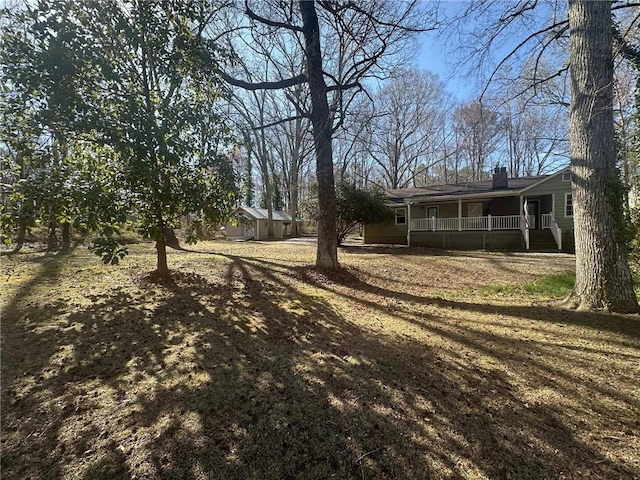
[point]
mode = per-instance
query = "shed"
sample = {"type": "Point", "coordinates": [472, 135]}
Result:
{"type": "Point", "coordinates": [253, 223]}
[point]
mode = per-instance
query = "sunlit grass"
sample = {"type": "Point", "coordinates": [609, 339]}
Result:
{"type": "Point", "coordinates": [549, 286]}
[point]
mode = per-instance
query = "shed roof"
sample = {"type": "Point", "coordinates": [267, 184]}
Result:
{"type": "Point", "coordinates": [262, 214]}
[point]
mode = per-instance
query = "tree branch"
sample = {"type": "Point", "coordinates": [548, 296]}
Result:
{"type": "Point", "coordinates": [563, 24]}
{"type": "Point", "coordinates": [341, 88]}
{"type": "Point", "coordinates": [397, 25]}
{"type": "Point", "coordinates": [287, 82]}
{"type": "Point", "coordinates": [279, 122]}
{"type": "Point", "coordinates": [254, 16]}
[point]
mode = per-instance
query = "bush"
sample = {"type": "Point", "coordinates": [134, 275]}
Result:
{"type": "Point", "coordinates": [355, 205]}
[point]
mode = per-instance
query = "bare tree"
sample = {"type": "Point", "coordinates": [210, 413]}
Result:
{"type": "Point", "coordinates": [404, 126]}
{"type": "Point", "coordinates": [541, 31]}
{"type": "Point", "coordinates": [625, 108]}
{"type": "Point", "coordinates": [368, 32]}
{"type": "Point", "coordinates": [293, 146]}
{"type": "Point", "coordinates": [480, 133]}
{"type": "Point", "coordinates": [603, 279]}
{"type": "Point", "coordinates": [535, 129]}
{"type": "Point", "coordinates": [252, 110]}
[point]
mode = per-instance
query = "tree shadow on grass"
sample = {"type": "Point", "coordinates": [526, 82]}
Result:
{"type": "Point", "coordinates": [351, 277]}
{"type": "Point", "coordinates": [253, 376]}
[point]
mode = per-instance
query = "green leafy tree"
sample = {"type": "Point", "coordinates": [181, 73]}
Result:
{"type": "Point", "coordinates": [38, 104]}
{"type": "Point", "coordinates": [154, 54]}
{"type": "Point", "coordinates": [146, 77]}
{"type": "Point", "coordinates": [358, 206]}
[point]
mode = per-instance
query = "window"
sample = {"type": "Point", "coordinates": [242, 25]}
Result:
{"type": "Point", "coordinates": [566, 176]}
{"type": "Point", "coordinates": [568, 205]}
{"type": "Point", "coordinates": [401, 216]}
{"type": "Point", "coordinates": [432, 212]}
{"type": "Point", "coordinates": [474, 210]}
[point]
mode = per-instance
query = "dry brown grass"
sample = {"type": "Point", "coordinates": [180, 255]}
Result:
{"type": "Point", "coordinates": [253, 365]}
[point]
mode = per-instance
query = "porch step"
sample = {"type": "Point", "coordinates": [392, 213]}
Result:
{"type": "Point", "coordinates": [542, 241]}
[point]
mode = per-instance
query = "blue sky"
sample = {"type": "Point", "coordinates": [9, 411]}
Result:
{"type": "Point", "coordinates": [434, 57]}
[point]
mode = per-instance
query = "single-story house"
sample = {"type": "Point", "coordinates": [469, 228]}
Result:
{"type": "Point", "coordinates": [253, 223]}
{"type": "Point", "coordinates": [498, 214]}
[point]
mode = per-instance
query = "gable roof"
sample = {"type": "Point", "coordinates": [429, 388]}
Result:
{"type": "Point", "coordinates": [262, 214]}
{"type": "Point", "coordinates": [454, 191]}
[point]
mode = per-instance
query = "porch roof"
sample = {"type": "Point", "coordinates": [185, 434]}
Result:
{"type": "Point", "coordinates": [466, 190]}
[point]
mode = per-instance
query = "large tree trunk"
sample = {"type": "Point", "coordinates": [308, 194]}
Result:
{"type": "Point", "coordinates": [161, 250]}
{"type": "Point", "coordinates": [294, 196]}
{"type": "Point", "coordinates": [170, 238]}
{"type": "Point", "coordinates": [52, 242]}
{"type": "Point", "coordinates": [327, 252]}
{"type": "Point", "coordinates": [603, 279]}
{"type": "Point", "coordinates": [161, 243]}
{"type": "Point", "coordinates": [20, 238]}
{"type": "Point", "coordinates": [66, 236]}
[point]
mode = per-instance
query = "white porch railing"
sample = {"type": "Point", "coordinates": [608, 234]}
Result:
{"type": "Point", "coordinates": [474, 223]}
{"type": "Point", "coordinates": [418, 224]}
{"type": "Point", "coordinates": [548, 221]}
{"type": "Point", "coordinates": [490, 222]}
{"type": "Point", "coordinates": [506, 222]}
{"type": "Point", "coordinates": [439, 224]}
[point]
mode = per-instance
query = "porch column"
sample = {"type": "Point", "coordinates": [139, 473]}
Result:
{"type": "Point", "coordinates": [459, 214]}
{"type": "Point", "coordinates": [553, 205]}
{"type": "Point", "coordinates": [257, 230]}
{"type": "Point", "coordinates": [408, 224]}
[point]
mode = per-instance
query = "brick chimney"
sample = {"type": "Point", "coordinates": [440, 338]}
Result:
{"type": "Point", "coordinates": [500, 180]}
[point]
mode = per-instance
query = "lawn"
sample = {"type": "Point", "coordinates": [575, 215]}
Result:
{"type": "Point", "coordinates": [251, 364]}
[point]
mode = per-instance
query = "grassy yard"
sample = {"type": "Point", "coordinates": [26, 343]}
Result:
{"type": "Point", "coordinates": [407, 364]}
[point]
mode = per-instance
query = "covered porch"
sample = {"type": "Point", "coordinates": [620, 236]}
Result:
{"type": "Point", "coordinates": [508, 213]}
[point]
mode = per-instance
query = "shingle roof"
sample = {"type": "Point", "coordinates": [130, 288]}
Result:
{"type": "Point", "coordinates": [262, 214]}
{"type": "Point", "coordinates": [456, 190]}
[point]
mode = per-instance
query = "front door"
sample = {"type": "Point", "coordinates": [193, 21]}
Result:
{"type": "Point", "coordinates": [533, 209]}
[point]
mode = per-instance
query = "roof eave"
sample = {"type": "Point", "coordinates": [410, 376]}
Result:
{"type": "Point", "coordinates": [468, 196]}
{"type": "Point", "coordinates": [549, 177]}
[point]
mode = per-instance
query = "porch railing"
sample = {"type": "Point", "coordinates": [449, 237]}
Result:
{"type": "Point", "coordinates": [548, 221]}
{"type": "Point", "coordinates": [490, 222]}
{"type": "Point", "coordinates": [440, 224]}
{"type": "Point", "coordinates": [506, 222]}
{"type": "Point", "coordinates": [418, 224]}
{"type": "Point", "coordinates": [475, 223]}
